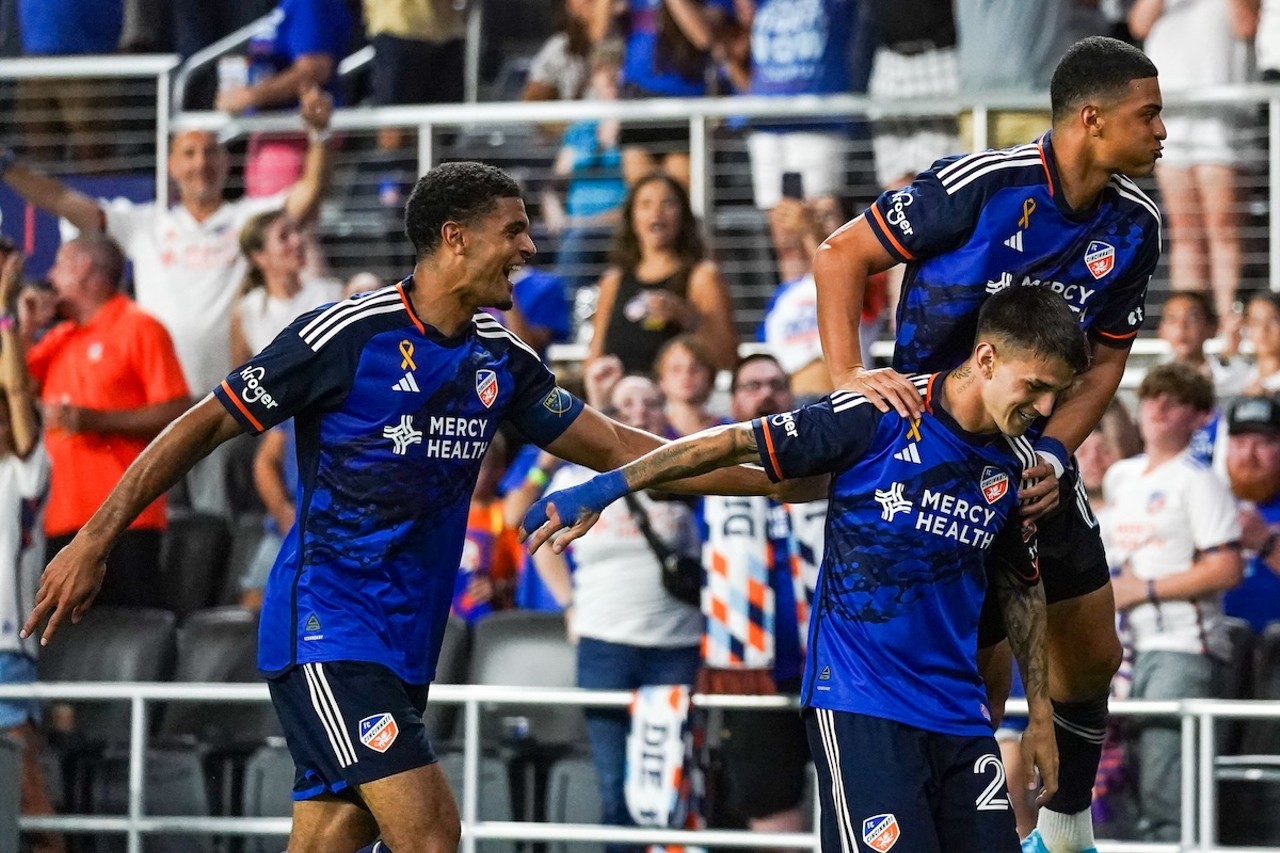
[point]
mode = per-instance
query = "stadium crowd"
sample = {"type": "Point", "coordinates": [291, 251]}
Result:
{"type": "Point", "coordinates": [1184, 475]}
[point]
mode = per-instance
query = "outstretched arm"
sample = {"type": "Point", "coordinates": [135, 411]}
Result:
{"type": "Point", "coordinates": [1025, 615]}
{"type": "Point", "coordinates": [73, 579]}
{"type": "Point", "coordinates": [578, 507]}
{"type": "Point", "coordinates": [54, 196]}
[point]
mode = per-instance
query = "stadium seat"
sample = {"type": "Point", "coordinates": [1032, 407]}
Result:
{"type": "Point", "coordinates": [246, 533]}
{"type": "Point", "coordinates": [110, 644]}
{"type": "Point", "coordinates": [441, 719]}
{"type": "Point", "coordinates": [1250, 785]}
{"type": "Point", "coordinates": [495, 800]}
{"type": "Point", "coordinates": [218, 645]}
{"type": "Point", "coordinates": [268, 787]}
{"type": "Point", "coordinates": [174, 787]}
{"type": "Point", "coordinates": [521, 648]}
{"type": "Point", "coordinates": [1238, 676]}
{"type": "Point", "coordinates": [573, 796]}
{"type": "Point", "coordinates": [193, 561]}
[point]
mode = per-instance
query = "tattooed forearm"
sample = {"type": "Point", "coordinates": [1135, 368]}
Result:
{"type": "Point", "coordinates": [1025, 615]}
{"type": "Point", "coordinates": [693, 455]}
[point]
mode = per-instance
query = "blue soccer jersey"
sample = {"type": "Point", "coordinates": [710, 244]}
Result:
{"type": "Point", "coordinates": [392, 420]}
{"type": "Point", "coordinates": [915, 506]}
{"type": "Point", "coordinates": [976, 224]}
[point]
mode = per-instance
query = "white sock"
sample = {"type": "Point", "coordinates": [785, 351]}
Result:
{"type": "Point", "coordinates": [1066, 833]}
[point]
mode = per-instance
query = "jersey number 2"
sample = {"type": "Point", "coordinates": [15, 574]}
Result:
{"type": "Point", "coordinates": [992, 798]}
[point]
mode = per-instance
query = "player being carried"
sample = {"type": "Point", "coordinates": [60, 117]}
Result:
{"type": "Point", "coordinates": [1061, 213]}
{"type": "Point", "coordinates": [893, 702]}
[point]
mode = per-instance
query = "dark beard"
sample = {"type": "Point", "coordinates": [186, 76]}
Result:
{"type": "Point", "coordinates": [1250, 484]}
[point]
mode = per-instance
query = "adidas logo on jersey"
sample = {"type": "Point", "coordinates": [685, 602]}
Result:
{"type": "Point", "coordinates": [908, 454]}
{"type": "Point", "coordinates": [407, 383]}
{"type": "Point", "coordinates": [1015, 242]}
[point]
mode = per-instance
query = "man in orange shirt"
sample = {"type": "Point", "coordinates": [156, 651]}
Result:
{"type": "Point", "coordinates": [109, 383]}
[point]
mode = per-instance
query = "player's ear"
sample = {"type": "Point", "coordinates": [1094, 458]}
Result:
{"type": "Point", "coordinates": [451, 237]}
{"type": "Point", "coordinates": [985, 356]}
{"type": "Point", "coordinates": [1092, 119]}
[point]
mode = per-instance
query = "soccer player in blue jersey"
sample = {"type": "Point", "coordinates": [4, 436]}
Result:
{"type": "Point", "coordinates": [395, 396]}
{"type": "Point", "coordinates": [893, 702]}
{"type": "Point", "coordinates": [1064, 214]}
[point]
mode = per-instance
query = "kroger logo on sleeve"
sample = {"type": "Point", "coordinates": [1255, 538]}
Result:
{"type": "Point", "coordinates": [253, 390]}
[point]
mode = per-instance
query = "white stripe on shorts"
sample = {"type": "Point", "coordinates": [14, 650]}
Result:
{"type": "Point", "coordinates": [330, 716]}
{"type": "Point", "coordinates": [827, 728]}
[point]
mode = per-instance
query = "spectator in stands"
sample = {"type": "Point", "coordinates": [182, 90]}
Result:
{"type": "Point", "coordinates": [661, 283]}
{"type": "Point", "coordinates": [758, 647]}
{"type": "Point", "coordinates": [109, 382]}
{"type": "Point", "coordinates": [24, 489]}
{"type": "Point", "coordinates": [686, 377]}
{"type": "Point", "coordinates": [186, 262]}
{"type": "Point", "coordinates": [559, 71]}
{"type": "Point", "coordinates": [361, 282]}
{"type": "Point", "coordinates": [1012, 47]}
{"type": "Point", "coordinates": [491, 555]}
{"type": "Point", "coordinates": [297, 50]}
{"type": "Point", "coordinates": [1253, 467]}
{"type": "Point", "coordinates": [1176, 538]}
{"type": "Point", "coordinates": [1198, 43]}
{"type": "Point", "coordinates": [630, 631]}
{"type": "Point", "coordinates": [1188, 321]}
{"type": "Point", "coordinates": [798, 47]}
{"type": "Point", "coordinates": [274, 290]}
{"type": "Point", "coordinates": [1115, 437]}
{"type": "Point", "coordinates": [539, 313]}
{"type": "Point", "coordinates": [916, 58]}
{"type": "Point", "coordinates": [1262, 327]}
{"type": "Point", "coordinates": [275, 477]}
{"type": "Point", "coordinates": [668, 48]}
{"type": "Point", "coordinates": [420, 47]}
{"type": "Point", "coordinates": [588, 172]}
{"type": "Point", "coordinates": [198, 24]}
{"type": "Point", "coordinates": [790, 323]}
{"type": "Point", "coordinates": [67, 112]}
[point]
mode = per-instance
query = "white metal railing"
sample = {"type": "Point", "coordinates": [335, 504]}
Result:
{"type": "Point", "coordinates": [1199, 718]}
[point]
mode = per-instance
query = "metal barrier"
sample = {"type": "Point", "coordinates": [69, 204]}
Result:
{"type": "Point", "coordinates": [1198, 717]}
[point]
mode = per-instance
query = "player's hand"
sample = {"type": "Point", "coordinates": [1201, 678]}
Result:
{"type": "Point", "coordinates": [886, 388]}
{"type": "Point", "coordinates": [1040, 755]}
{"type": "Point", "coordinates": [1038, 494]}
{"type": "Point", "coordinates": [544, 521]}
{"type": "Point", "coordinates": [67, 588]}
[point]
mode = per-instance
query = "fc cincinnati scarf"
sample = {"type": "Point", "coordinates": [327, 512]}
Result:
{"type": "Point", "coordinates": [663, 784]}
{"type": "Point", "coordinates": [747, 538]}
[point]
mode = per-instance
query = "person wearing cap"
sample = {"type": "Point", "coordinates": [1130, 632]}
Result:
{"type": "Point", "coordinates": [1173, 540]}
{"type": "Point", "coordinates": [1253, 467]}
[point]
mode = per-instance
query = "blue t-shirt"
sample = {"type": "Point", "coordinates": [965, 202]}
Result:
{"type": "Point", "coordinates": [641, 65]}
{"type": "Point", "coordinates": [300, 27]}
{"type": "Point", "coordinates": [595, 182]}
{"type": "Point", "coordinates": [392, 420]}
{"type": "Point", "coordinates": [1257, 598]}
{"type": "Point", "coordinates": [801, 47]}
{"type": "Point", "coordinates": [541, 299]}
{"type": "Point", "coordinates": [976, 224]}
{"type": "Point", "coordinates": [915, 506]}
{"type": "Point", "coordinates": [63, 27]}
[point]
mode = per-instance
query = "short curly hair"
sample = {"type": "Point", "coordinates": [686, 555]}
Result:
{"type": "Point", "coordinates": [452, 192]}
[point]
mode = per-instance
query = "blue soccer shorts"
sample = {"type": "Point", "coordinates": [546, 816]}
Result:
{"type": "Point", "coordinates": [348, 723]}
{"type": "Point", "coordinates": [888, 786]}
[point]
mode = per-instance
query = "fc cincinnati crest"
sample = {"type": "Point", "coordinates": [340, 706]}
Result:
{"type": "Point", "coordinates": [379, 732]}
{"type": "Point", "coordinates": [486, 387]}
{"type": "Point", "coordinates": [1100, 258]}
{"type": "Point", "coordinates": [994, 484]}
{"type": "Point", "coordinates": [881, 832]}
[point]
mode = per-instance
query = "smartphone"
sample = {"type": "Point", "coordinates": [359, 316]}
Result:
{"type": "Point", "coordinates": [792, 185]}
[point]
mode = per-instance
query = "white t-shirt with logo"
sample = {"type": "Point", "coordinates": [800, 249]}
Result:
{"type": "Point", "coordinates": [1157, 521]}
{"type": "Point", "coordinates": [618, 595]}
{"type": "Point", "coordinates": [24, 488]}
{"type": "Point", "coordinates": [187, 273]}
{"type": "Point", "coordinates": [263, 316]}
{"type": "Point", "coordinates": [791, 324]}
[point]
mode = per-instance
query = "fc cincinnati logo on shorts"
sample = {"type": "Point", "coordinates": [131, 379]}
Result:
{"type": "Point", "coordinates": [994, 484]}
{"type": "Point", "coordinates": [881, 832]}
{"type": "Point", "coordinates": [486, 387]}
{"type": "Point", "coordinates": [379, 732]}
{"type": "Point", "coordinates": [1100, 258]}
